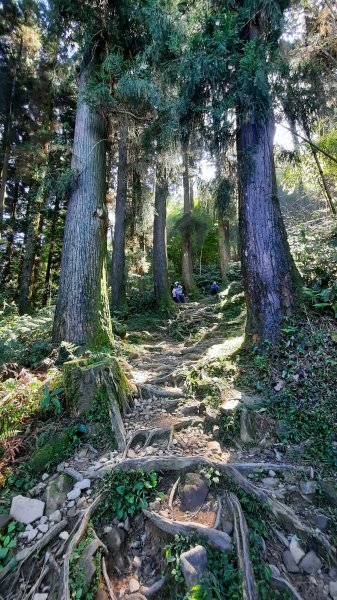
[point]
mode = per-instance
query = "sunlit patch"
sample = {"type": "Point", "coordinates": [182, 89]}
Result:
{"type": "Point", "coordinates": [225, 348]}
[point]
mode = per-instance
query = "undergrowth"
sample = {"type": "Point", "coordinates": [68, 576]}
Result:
{"type": "Point", "coordinates": [127, 493]}
{"type": "Point", "coordinates": [295, 379]}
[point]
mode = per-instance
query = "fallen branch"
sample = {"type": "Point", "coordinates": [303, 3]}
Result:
{"type": "Point", "coordinates": [219, 539]}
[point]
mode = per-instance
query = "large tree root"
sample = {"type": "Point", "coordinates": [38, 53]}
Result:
{"type": "Point", "coordinates": [219, 539]}
{"type": "Point", "coordinates": [146, 390]}
{"type": "Point", "coordinates": [279, 583]}
{"type": "Point", "coordinates": [215, 537]}
{"type": "Point", "coordinates": [77, 536]}
{"type": "Point", "coordinates": [249, 589]}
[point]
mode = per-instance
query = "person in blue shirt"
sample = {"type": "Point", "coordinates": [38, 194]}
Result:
{"type": "Point", "coordinates": [214, 288]}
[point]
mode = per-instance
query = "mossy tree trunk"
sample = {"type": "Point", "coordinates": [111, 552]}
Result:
{"type": "Point", "coordinates": [160, 274]}
{"type": "Point", "coordinates": [82, 312]}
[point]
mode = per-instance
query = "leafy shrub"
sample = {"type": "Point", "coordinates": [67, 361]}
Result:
{"type": "Point", "coordinates": [24, 339]}
{"type": "Point", "coordinates": [128, 492]}
{"type": "Point", "coordinates": [8, 543]}
{"type": "Point", "coordinates": [139, 302]}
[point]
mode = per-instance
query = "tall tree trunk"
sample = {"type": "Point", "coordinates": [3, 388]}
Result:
{"type": "Point", "coordinates": [35, 220]}
{"type": "Point", "coordinates": [6, 273]}
{"type": "Point", "coordinates": [8, 138]}
{"type": "Point", "coordinates": [118, 293]}
{"type": "Point", "coordinates": [46, 293]}
{"type": "Point", "coordinates": [82, 311]}
{"type": "Point", "coordinates": [160, 274]}
{"type": "Point", "coordinates": [37, 259]}
{"type": "Point", "coordinates": [224, 248]}
{"type": "Point", "coordinates": [268, 269]}
{"type": "Point", "coordinates": [187, 256]}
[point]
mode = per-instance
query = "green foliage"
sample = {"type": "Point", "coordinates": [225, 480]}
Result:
{"type": "Point", "coordinates": [77, 579]}
{"type": "Point", "coordinates": [229, 424]}
{"type": "Point", "coordinates": [50, 402]}
{"type": "Point", "coordinates": [295, 380]}
{"type": "Point", "coordinates": [8, 542]}
{"type": "Point", "coordinates": [315, 251]}
{"type": "Point", "coordinates": [23, 339]}
{"type": "Point", "coordinates": [127, 493]}
{"type": "Point", "coordinates": [211, 475]}
{"type": "Point", "coordinates": [223, 581]}
{"type": "Point", "coordinates": [26, 398]}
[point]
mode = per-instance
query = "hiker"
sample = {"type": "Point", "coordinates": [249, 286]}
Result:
{"type": "Point", "coordinates": [177, 293]}
{"type": "Point", "coordinates": [214, 289]}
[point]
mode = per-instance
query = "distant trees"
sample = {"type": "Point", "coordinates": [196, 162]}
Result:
{"type": "Point", "coordinates": [162, 86]}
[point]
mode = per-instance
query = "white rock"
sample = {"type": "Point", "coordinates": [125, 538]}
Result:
{"type": "Point", "coordinates": [44, 476]}
{"type": "Point", "coordinates": [40, 596]}
{"type": "Point", "coordinates": [133, 585]}
{"type": "Point", "coordinates": [333, 589]}
{"type": "Point", "coordinates": [75, 493]}
{"type": "Point", "coordinates": [43, 528]}
{"type": "Point", "coordinates": [43, 520]}
{"type": "Point", "coordinates": [137, 561]}
{"type": "Point", "coordinates": [82, 485]}
{"type": "Point", "coordinates": [55, 516]}
{"type": "Point", "coordinates": [296, 551]}
{"type": "Point", "coordinates": [64, 535]}
{"type": "Point", "coordinates": [31, 535]}
{"type": "Point", "coordinates": [26, 510]}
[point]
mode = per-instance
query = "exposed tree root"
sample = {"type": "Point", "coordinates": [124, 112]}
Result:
{"type": "Point", "coordinates": [14, 575]}
{"type": "Point", "coordinates": [115, 417]}
{"type": "Point", "coordinates": [219, 539]}
{"type": "Point", "coordinates": [286, 514]}
{"type": "Point", "coordinates": [107, 580]}
{"type": "Point", "coordinates": [279, 583]}
{"type": "Point", "coordinates": [172, 493]}
{"type": "Point", "coordinates": [148, 435]}
{"type": "Point", "coordinates": [154, 588]}
{"type": "Point", "coordinates": [148, 390]}
{"type": "Point", "coordinates": [249, 589]}
{"type": "Point", "coordinates": [77, 535]}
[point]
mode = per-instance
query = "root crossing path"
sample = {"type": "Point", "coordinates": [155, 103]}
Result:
{"type": "Point", "coordinates": [220, 492]}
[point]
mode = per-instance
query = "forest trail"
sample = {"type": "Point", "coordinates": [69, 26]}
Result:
{"type": "Point", "coordinates": [236, 491]}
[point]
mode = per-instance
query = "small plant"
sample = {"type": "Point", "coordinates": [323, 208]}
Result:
{"type": "Point", "coordinates": [128, 492]}
{"type": "Point", "coordinates": [211, 475]}
{"type": "Point", "coordinates": [173, 552]}
{"type": "Point", "coordinates": [8, 542]}
{"type": "Point", "coordinates": [77, 578]}
{"type": "Point", "coordinates": [50, 402]}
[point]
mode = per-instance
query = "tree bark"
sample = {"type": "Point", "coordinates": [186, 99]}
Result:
{"type": "Point", "coordinates": [8, 138]}
{"type": "Point", "coordinates": [25, 286]}
{"type": "Point", "coordinates": [187, 256]}
{"type": "Point", "coordinates": [82, 311]}
{"type": "Point", "coordinates": [268, 270]}
{"type": "Point", "coordinates": [224, 248]}
{"type": "Point", "coordinates": [118, 292]}
{"type": "Point", "coordinates": [160, 274]}
{"type": "Point", "coordinates": [6, 273]}
{"type": "Point", "coordinates": [53, 227]}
